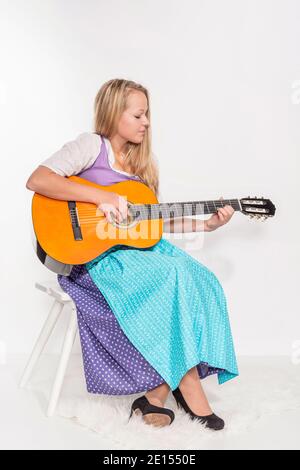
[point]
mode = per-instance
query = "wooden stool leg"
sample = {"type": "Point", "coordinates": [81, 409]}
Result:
{"type": "Point", "coordinates": [65, 355]}
{"type": "Point", "coordinates": [41, 341]}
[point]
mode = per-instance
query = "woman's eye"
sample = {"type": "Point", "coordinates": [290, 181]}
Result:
{"type": "Point", "coordinates": [138, 117]}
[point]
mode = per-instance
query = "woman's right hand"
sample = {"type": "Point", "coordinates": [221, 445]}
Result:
{"type": "Point", "coordinates": [113, 202]}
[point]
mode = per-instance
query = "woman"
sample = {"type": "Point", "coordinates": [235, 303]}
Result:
{"type": "Point", "coordinates": [152, 319]}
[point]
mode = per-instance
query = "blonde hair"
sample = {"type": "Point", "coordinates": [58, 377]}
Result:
{"type": "Point", "coordinates": [109, 104]}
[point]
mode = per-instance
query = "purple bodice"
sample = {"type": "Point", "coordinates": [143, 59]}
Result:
{"type": "Point", "coordinates": [101, 171]}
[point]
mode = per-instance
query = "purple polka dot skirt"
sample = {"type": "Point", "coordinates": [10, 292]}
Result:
{"type": "Point", "coordinates": [112, 365]}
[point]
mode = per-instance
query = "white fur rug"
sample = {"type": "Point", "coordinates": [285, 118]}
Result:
{"type": "Point", "coordinates": [265, 386]}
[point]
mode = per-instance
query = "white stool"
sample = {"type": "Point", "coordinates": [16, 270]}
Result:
{"type": "Point", "coordinates": [61, 299]}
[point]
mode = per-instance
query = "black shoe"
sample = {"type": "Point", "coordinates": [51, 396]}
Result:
{"type": "Point", "coordinates": [151, 414]}
{"type": "Point", "coordinates": [212, 421]}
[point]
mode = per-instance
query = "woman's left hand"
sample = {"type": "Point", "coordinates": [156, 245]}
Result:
{"type": "Point", "coordinates": [219, 218]}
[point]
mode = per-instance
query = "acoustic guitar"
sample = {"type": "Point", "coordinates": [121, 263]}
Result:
{"type": "Point", "coordinates": [73, 232]}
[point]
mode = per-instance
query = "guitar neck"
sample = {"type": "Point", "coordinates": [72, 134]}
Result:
{"type": "Point", "coordinates": [182, 209]}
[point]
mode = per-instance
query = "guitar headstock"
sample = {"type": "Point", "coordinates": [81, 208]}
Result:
{"type": "Point", "coordinates": [258, 208]}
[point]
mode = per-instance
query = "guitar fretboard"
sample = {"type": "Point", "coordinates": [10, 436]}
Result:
{"type": "Point", "coordinates": [181, 209]}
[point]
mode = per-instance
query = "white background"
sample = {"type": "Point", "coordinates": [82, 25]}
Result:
{"type": "Point", "coordinates": [224, 82]}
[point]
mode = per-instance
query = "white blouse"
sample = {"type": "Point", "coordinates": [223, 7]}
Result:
{"type": "Point", "coordinates": [79, 154]}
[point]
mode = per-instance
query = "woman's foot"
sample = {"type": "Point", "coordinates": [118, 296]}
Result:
{"type": "Point", "coordinates": [195, 398]}
{"type": "Point", "coordinates": [152, 414]}
{"type": "Point", "coordinates": [157, 396]}
{"type": "Point", "coordinates": [211, 420]}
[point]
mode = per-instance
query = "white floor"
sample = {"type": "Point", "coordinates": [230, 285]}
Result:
{"type": "Point", "coordinates": [23, 424]}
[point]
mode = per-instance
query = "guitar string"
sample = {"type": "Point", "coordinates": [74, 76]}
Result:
{"type": "Point", "coordinates": [155, 211]}
{"type": "Point", "coordinates": [213, 201]}
{"type": "Point", "coordinates": [96, 219]}
{"type": "Point", "coordinates": [146, 218]}
{"type": "Point", "coordinates": [88, 215]}
{"type": "Point", "coordinates": [154, 207]}
{"type": "Point", "coordinates": [223, 203]}
{"type": "Point", "coordinates": [143, 213]}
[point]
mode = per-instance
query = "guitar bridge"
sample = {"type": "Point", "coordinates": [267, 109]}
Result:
{"type": "Point", "coordinates": [75, 221]}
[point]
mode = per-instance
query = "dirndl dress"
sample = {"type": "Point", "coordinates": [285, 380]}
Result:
{"type": "Point", "coordinates": [147, 315]}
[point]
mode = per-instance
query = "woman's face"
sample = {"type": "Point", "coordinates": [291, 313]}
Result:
{"type": "Point", "coordinates": [133, 123]}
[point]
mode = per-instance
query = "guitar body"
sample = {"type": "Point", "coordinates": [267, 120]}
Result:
{"type": "Point", "coordinates": [77, 232]}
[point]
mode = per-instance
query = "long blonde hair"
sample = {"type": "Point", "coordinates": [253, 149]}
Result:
{"type": "Point", "coordinates": [109, 104]}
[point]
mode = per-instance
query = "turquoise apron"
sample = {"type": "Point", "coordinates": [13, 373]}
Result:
{"type": "Point", "coordinates": [170, 306]}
